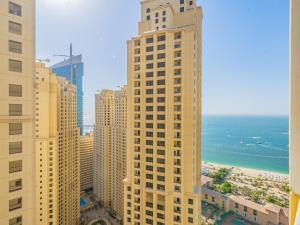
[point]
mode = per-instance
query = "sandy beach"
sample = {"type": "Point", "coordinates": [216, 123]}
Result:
{"type": "Point", "coordinates": [272, 176]}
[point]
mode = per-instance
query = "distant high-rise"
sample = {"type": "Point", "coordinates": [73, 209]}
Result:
{"type": "Point", "coordinates": [63, 69]}
{"type": "Point", "coordinates": [164, 115]}
{"type": "Point", "coordinates": [295, 114]}
{"type": "Point", "coordinates": [110, 149]}
{"type": "Point", "coordinates": [86, 144]}
{"type": "Point", "coordinates": [46, 143]}
{"type": "Point", "coordinates": [17, 103]}
{"type": "Point", "coordinates": [68, 154]}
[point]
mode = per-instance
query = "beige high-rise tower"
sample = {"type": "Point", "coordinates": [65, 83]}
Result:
{"type": "Point", "coordinates": [68, 154]}
{"type": "Point", "coordinates": [86, 144]}
{"type": "Point", "coordinates": [110, 149]}
{"type": "Point", "coordinates": [164, 115]}
{"type": "Point", "coordinates": [295, 114]}
{"type": "Point", "coordinates": [17, 151]}
{"type": "Point", "coordinates": [46, 146]}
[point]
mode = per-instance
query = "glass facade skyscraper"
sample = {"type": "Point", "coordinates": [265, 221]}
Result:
{"type": "Point", "coordinates": [63, 69]}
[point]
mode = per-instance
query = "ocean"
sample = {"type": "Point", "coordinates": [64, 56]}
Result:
{"type": "Point", "coordinates": [256, 142]}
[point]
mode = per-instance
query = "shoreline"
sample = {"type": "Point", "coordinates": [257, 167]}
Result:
{"type": "Point", "coordinates": [247, 171]}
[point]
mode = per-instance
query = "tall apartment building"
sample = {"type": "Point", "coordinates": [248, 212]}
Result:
{"type": "Point", "coordinates": [17, 72]}
{"type": "Point", "coordinates": [46, 146]}
{"type": "Point", "coordinates": [110, 149]}
{"type": "Point", "coordinates": [86, 144]}
{"type": "Point", "coordinates": [164, 115]}
{"type": "Point", "coordinates": [68, 154]}
{"type": "Point", "coordinates": [295, 114]}
{"type": "Point", "coordinates": [118, 153]}
{"type": "Point", "coordinates": [63, 69]}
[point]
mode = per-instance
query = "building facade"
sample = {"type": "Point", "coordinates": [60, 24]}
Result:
{"type": "Point", "coordinates": [110, 149]}
{"type": "Point", "coordinates": [295, 114]}
{"type": "Point", "coordinates": [17, 103]}
{"type": "Point", "coordinates": [68, 154]}
{"type": "Point", "coordinates": [63, 69]}
{"type": "Point", "coordinates": [46, 146]}
{"type": "Point", "coordinates": [86, 144]}
{"type": "Point", "coordinates": [163, 184]}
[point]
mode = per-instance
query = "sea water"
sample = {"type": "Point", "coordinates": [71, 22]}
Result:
{"type": "Point", "coordinates": [256, 142]}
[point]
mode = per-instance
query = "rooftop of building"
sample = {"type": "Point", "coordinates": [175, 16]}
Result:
{"type": "Point", "coordinates": [76, 59]}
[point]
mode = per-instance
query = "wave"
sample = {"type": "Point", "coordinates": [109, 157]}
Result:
{"type": "Point", "coordinates": [273, 147]}
{"type": "Point", "coordinates": [253, 155]}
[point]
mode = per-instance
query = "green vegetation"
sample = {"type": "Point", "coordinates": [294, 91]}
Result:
{"type": "Point", "coordinates": [224, 188]}
{"type": "Point", "coordinates": [220, 175]}
{"type": "Point", "coordinates": [285, 187]}
{"type": "Point", "coordinates": [276, 201]}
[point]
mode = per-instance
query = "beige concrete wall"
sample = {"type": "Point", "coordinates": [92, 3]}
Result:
{"type": "Point", "coordinates": [26, 79]}
{"type": "Point", "coordinates": [46, 146]}
{"type": "Point", "coordinates": [86, 144]}
{"type": "Point", "coordinates": [295, 109]}
{"type": "Point", "coordinates": [69, 157]}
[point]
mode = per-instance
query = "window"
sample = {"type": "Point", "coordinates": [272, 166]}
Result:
{"type": "Point", "coordinates": [190, 201]}
{"type": "Point", "coordinates": [149, 49]}
{"type": "Point", "coordinates": [15, 204]}
{"type": "Point", "coordinates": [156, 20]}
{"type": "Point", "coordinates": [14, 65]}
{"type": "Point", "coordinates": [161, 38]}
{"type": "Point", "coordinates": [16, 221]}
{"type": "Point", "coordinates": [236, 205]}
{"type": "Point", "coordinates": [147, 10]}
{"type": "Point", "coordinates": [149, 83]}
{"type": "Point", "coordinates": [15, 90]}
{"type": "Point", "coordinates": [15, 128]}
{"type": "Point", "coordinates": [149, 40]}
{"type": "Point", "coordinates": [14, 9]}
{"type": "Point", "coordinates": [15, 28]}
{"type": "Point", "coordinates": [181, 9]}
{"type": "Point", "coordinates": [161, 73]}
{"type": "Point", "coordinates": [161, 126]}
{"type": "Point", "coordinates": [161, 56]}
{"type": "Point", "coordinates": [148, 17]}
{"type": "Point", "coordinates": [149, 91]}
{"type": "Point", "coordinates": [15, 166]}
{"type": "Point", "coordinates": [161, 91]}
{"type": "Point", "coordinates": [161, 117]}
{"type": "Point", "coordinates": [15, 109]}
{"type": "Point", "coordinates": [15, 47]}
{"type": "Point", "coordinates": [161, 108]}
{"type": "Point", "coordinates": [164, 19]}
{"type": "Point", "coordinates": [190, 219]}
{"type": "Point", "coordinates": [15, 147]}
{"type": "Point", "coordinates": [149, 66]}
{"type": "Point", "coordinates": [149, 108]}
{"type": "Point", "coordinates": [191, 2]}
{"type": "Point", "coordinates": [164, 13]}
{"type": "Point", "coordinates": [181, 1]}
{"type": "Point", "coordinates": [15, 185]}
{"type": "Point", "coordinates": [149, 57]}
{"type": "Point", "coordinates": [149, 74]}
{"type": "Point", "coordinates": [161, 82]}
{"type": "Point", "coordinates": [161, 99]}
{"type": "Point", "coordinates": [161, 64]}
{"type": "Point", "coordinates": [161, 47]}
{"type": "Point", "coordinates": [157, 14]}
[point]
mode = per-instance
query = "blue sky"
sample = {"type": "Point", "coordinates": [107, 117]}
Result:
{"type": "Point", "coordinates": [245, 49]}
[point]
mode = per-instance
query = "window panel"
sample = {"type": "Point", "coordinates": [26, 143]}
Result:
{"type": "Point", "coordinates": [15, 28]}
{"type": "Point", "coordinates": [15, 47]}
{"type": "Point", "coordinates": [14, 9]}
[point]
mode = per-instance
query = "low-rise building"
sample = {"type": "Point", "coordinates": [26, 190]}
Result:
{"type": "Point", "coordinates": [268, 214]}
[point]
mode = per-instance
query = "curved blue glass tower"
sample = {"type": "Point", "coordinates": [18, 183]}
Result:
{"type": "Point", "coordinates": [63, 69]}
